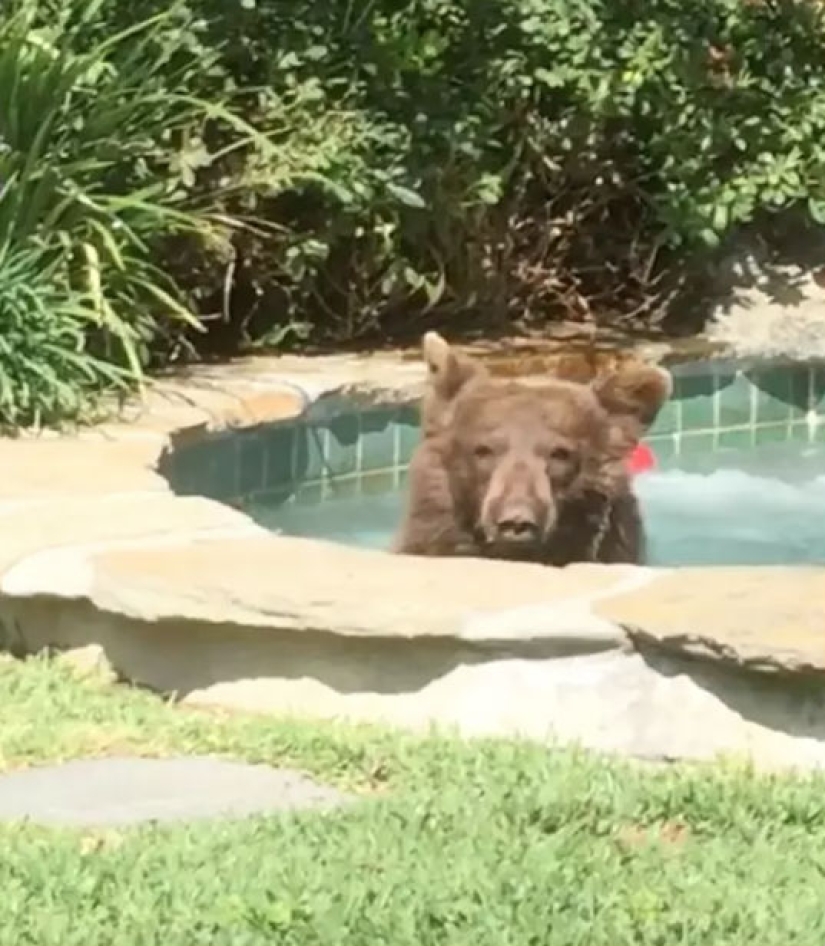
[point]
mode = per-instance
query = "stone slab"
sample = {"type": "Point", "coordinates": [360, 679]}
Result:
{"type": "Point", "coordinates": [126, 791]}
{"type": "Point", "coordinates": [662, 709]}
{"type": "Point", "coordinates": [28, 528]}
{"type": "Point", "coordinates": [772, 308]}
{"type": "Point", "coordinates": [217, 407]}
{"type": "Point", "coordinates": [309, 585]}
{"type": "Point", "coordinates": [770, 618]}
{"type": "Point", "coordinates": [71, 466]}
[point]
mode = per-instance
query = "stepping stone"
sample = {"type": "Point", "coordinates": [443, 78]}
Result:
{"type": "Point", "coordinates": [124, 791]}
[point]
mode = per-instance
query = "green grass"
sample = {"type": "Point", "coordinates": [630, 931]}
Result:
{"type": "Point", "coordinates": [454, 843]}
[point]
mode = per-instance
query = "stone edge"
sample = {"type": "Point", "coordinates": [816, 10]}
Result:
{"type": "Point", "coordinates": [261, 389]}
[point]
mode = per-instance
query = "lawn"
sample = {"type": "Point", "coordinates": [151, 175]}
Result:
{"type": "Point", "coordinates": [454, 843]}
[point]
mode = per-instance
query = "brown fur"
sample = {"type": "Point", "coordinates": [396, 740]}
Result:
{"type": "Point", "coordinates": [532, 473]}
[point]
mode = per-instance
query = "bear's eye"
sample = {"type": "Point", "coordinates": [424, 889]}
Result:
{"type": "Point", "coordinates": [483, 451]}
{"type": "Point", "coordinates": [561, 454]}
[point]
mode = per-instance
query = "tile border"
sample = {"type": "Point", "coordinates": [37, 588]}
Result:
{"type": "Point", "coordinates": [717, 402]}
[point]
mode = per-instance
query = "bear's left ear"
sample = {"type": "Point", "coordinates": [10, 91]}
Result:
{"type": "Point", "coordinates": [634, 393]}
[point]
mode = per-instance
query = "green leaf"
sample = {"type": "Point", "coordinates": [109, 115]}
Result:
{"type": "Point", "coordinates": [721, 217]}
{"type": "Point", "coordinates": [406, 196]}
{"type": "Point", "coordinates": [816, 208]}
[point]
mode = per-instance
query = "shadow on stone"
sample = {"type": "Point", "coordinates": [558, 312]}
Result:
{"type": "Point", "coordinates": [184, 656]}
{"type": "Point", "coordinates": [784, 702]}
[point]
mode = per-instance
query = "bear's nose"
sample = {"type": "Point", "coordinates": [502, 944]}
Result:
{"type": "Point", "coordinates": [517, 527]}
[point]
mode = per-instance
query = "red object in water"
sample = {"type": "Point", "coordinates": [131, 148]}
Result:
{"type": "Point", "coordinates": [641, 459]}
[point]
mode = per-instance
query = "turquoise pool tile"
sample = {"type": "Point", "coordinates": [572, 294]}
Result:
{"type": "Point", "coordinates": [725, 374]}
{"type": "Point", "coordinates": [696, 442]}
{"type": "Point", "coordinates": [225, 466]}
{"type": "Point", "coordinates": [343, 487]}
{"type": "Point", "coordinates": [378, 484]}
{"type": "Point", "coordinates": [800, 432]}
{"type": "Point", "coordinates": [663, 446]}
{"type": "Point", "coordinates": [171, 465]}
{"type": "Point", "coordinates": [308, 453]}
{"type": "Point", "coordinates": [735, 403]}
{"type": "Point", "coordinates": [279, 448]}
{"type": "Point", "coordinates": [774, 394]}
{"type": "Point", "coordinates": [668, 419]}
{"type": "Point", "coordinates": [209, 468]}
{"type": "Point", "coordinates": [342, 445]}
{"type": "Point", "coordinates": [696, 396]}
{"type": "Point", "coordinates": [741, 439]}
{"type": "Point", "coordinates": [251, 475]}
{"type": "Point", "coordinates": [377, 440]}
{"type": "Point", "coordinates": [189, 469]}
{"type": "Point", "coordinates": [409, 414]}
{"type": "Point", "coordinates": [272, 498]}
{"type": "Point", "coordinates": [818, 385]}
{"type": "Point", "coordinates": [309, 493]}
{"type": "Point", "coordinates": [772, 433]}
{"type": "Point", "coordinates": [800, 393]}
{"type": "Point", "coordinates": [408, 431]}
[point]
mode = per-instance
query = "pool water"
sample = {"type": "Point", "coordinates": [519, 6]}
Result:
{"type": "Point", "coordinates": [760, 506]}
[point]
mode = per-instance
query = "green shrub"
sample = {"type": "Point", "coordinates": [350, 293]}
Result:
{"type": "Point", "coordinates": [518, 160]}
{"type": "Point", "coordinates": [90, 189]}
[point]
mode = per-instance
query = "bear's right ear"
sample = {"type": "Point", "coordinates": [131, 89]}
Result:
{"type": "Point", "coordinates": [448, 370]}
{"type": "Point", "coordinates": [635, 392]}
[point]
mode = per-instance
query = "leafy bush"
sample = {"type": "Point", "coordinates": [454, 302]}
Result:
{"type": "Point", "coordinates": [414, 161]}
{"type": "Point", "coordinates": [518, 160]}
{"type": "Point", "coordinates": [89, 143]}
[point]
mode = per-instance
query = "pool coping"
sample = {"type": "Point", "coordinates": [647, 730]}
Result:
{"type": "Point", "coordinates": [190, 596]}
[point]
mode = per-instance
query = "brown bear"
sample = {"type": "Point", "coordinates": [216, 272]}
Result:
{"type": "Point", "coordinates": [527, 472]}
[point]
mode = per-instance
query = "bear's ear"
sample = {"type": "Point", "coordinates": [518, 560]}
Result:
{"type": "Point", "coordinates": [448, 369]}
{"type": "Point", "coordinates": [635, 392]}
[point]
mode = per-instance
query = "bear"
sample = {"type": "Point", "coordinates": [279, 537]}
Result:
{"type": "Point", "coordinates": [507, 469]}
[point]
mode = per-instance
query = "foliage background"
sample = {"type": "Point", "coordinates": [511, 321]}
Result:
{"type": "Point", "coordinates": [293, 172]}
